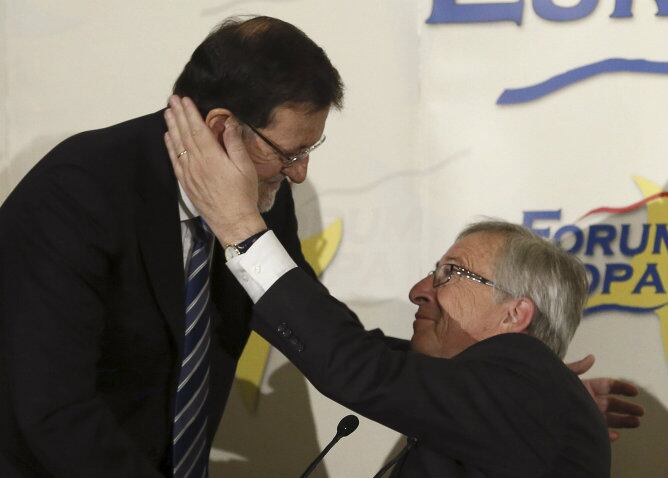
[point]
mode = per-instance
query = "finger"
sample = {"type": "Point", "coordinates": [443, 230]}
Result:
{"type": "Point", "coordinates": [169, 144]}
{"type": "Point", "coordinates": [171, 151]}
{"type": "Point", "coordinates": [181, 166]}
{"type": "Point", "coordinates": [620, 387]}
{"type": "Point", "coordinates": [177, 152]}
{"type": "Point", "coordinates": [604, 386]}
{"type": "Point", "coordinates": [174, 133]}
{"type": "Point", "coordinates": [183, 126]}
{"type": "Point", "coordinates": [199, 131]}
{"type": "Point", "coordinates": [616, 405]}
{"type": "Point", "coordinates": [615, 420]}
{"type": "Point", "coordinates": [581, 366]}
{"type": "Point", "coordinates": [180, 123]}
{"type": "Point", "coordinates": [193, 116]}
{"type": "Point", "coordinates": [613, 435]}
{"type": "Point", "coordinates": [599, 386]}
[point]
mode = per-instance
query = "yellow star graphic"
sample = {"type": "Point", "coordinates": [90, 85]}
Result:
{"type": "Point", "coordinates": [649, 296]}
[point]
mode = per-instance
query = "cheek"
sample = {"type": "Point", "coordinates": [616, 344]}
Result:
{"type": "Point", "coordinates": [454, 302]}
{"type": "Point", "coordinates": [426, 339]}
{"type": "Point", "coordinates": [267, 170]}
{"type": "Point", "coordinates": [456, 307]}
{"type": "Point", "coordinates": [266, 167]}
{"type": "Point", "coordinates": [441, 329]}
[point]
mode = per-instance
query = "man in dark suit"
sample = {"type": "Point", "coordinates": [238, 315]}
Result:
{"type": "Point", "coordinates": [482, 390]}
{"type": "Point", "coordinates": [107, 367]}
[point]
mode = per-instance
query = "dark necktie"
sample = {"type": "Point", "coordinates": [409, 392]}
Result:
{"type": "Point", "coordinates": [189, 439]}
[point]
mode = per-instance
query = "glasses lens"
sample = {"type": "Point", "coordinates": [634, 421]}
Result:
{"type": "Point", "coordinates": [295, 157]}
{"type": "Point", "coordinates": [304, 154]}
{"type": "Point", "coordinates": [442, 274]}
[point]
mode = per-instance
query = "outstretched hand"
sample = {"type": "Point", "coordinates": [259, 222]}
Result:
{"type": "Point", "coordinates": [220, 179]}
{"type": "Point", "coordinates": [618, 413]}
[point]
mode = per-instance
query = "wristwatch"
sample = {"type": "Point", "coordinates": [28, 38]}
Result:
{"type": "Point", "coordinates": [234, 250]}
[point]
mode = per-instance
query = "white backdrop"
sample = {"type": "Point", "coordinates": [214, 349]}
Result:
{"type": "Point", "coordinates": [420, 150]}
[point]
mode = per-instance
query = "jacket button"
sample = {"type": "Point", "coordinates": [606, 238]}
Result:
{"type": "Point", "coordinates": [297, 344]}
{"type": "Point", "coordinates": [284, 331]}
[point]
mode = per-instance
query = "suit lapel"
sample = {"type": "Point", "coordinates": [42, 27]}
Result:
{"type": "Point", "coordinates": [159, 229]}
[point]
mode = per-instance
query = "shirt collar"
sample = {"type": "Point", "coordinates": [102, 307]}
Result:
{"type": "Point", "coordinates": [187, 209]}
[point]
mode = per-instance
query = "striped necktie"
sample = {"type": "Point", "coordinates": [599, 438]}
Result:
{"type": "Point", "coordinates": [189, 439]}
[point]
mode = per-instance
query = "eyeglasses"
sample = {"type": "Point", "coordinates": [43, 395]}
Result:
{"type": "Point", "coordinates": [287, 159]}
{"type": "Point", "coordinates": [443, 273]}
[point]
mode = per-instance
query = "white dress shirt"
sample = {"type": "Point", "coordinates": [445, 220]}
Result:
{"type": "Point", "coordinates": [257, 269]}
{"type": "Point", "coordinates": [261, 265]}
{"type": "Point", "coordinates": [187, 211]}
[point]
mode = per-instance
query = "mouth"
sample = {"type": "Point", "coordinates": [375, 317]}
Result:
{"type": "Point", "coordinates": [422, 322]}
{"type": "Point", "coordinates": [419, 316]}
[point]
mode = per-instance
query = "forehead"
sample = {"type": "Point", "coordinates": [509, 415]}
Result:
{"type": "Point", "coordinates": [297, 116]}
{"type": "Point", "coordinates": [476, 252]}
{"type": "Point", "coordinates": [296, 126]}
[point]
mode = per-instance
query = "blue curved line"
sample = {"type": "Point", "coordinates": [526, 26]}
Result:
{"type": "Point", "coordinates": [621, 308]}
{"type": "Point", "coordinates": [611, 65]}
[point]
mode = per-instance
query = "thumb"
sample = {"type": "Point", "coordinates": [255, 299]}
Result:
{"type": "Point", "coordinates": [581, 366]}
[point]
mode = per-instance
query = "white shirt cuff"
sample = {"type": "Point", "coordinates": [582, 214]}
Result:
{"type": "Point", "coordinates": [261, 265]}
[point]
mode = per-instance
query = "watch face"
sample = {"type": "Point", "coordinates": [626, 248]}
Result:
{"type": "Point", "coordinates": [231, 252]}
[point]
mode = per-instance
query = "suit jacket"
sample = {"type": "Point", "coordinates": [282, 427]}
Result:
{"type": "Point", "coordinates": [505, 407]}
{"type": "Point", "coordinates": [92, 308]}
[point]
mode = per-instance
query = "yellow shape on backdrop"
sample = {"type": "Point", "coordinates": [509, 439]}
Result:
{"type": "Point", "coordinates": [622, 293]}
{"type": "Point", "coordinates": [319, 250]}
{"type": "Point", "coordinates": [250, 369]}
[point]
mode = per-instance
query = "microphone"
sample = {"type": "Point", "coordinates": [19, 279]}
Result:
{"type": "Point", "coordinates": [346, 426]}
{"type": "Point", "coordinates": [411, 442]}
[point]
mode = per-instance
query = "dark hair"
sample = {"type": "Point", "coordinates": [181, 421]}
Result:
{"type": "Point", "coordinates": [252, 66]}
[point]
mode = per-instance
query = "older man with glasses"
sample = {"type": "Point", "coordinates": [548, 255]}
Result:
{"type": "Point", "coordinates": [481, 390]}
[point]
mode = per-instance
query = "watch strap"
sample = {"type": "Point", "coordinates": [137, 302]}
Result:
{"type": "Point", "coordinates": [241, 247]}
{"type": "Point", "coordinates": [244, 245]}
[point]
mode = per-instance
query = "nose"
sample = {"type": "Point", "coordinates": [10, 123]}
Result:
{"type": "Point", "coordinates": [423, 292]}
{"type": "Point", "coordinates": [297, 170]}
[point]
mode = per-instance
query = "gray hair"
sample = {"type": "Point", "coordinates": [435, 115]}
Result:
{"type": "Point", "coordinates": [527, 265]}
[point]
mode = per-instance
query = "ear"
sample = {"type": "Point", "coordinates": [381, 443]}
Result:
{"type": "Point", "coordinates": [520, 314]}
{"type": "Point", "coordinates": [215, 120]}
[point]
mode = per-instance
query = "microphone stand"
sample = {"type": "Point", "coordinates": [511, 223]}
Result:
{"type": "Point", "coordinates": [347, 425]}
{"type": "Point", "coordinates": [411, 443]}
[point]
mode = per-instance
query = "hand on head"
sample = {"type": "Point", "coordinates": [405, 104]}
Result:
{"type": "Point", "coordinates": [220, 180]}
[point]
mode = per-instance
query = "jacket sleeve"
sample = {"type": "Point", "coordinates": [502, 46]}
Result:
{"type": "Point", "coordinates": [56, 259]}
{"type": "Point", "coordinates": [477, 410]}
